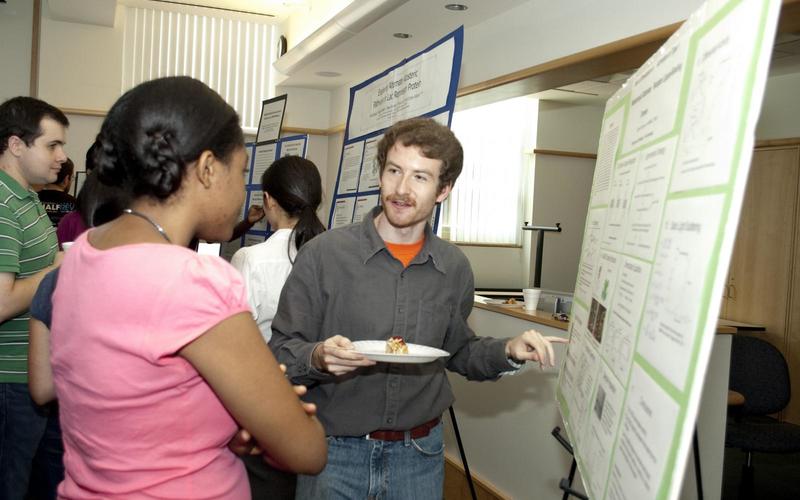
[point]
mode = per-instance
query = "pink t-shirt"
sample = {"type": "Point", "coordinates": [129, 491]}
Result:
{"type": "Point", "coordinates": [138, 420]}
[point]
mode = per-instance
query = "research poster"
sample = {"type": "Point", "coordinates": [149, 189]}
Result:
{"type": "Point", "coordinates": [425, 84]}
{"type": "Point", "coordinates": [269, 125]}
{"type": "Point", "coordinates": [260, 157]}
{"type": "Point", "coordinates": [673, 158]}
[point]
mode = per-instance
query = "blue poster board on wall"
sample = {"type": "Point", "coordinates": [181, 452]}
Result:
{"type": "Point", "coordinates": [259, 157]}
{"type": "Point", "coordinates": [425, 84]}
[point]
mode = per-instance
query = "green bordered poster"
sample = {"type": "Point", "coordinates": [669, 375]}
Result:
{"type": "Point", "coordinates": [672, 163]}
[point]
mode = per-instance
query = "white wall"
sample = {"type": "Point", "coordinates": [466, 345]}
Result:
{"type": "Point", "coordinates": [495, 267]}
{"type": "Point", "coordinates": [780, 112]}
{"type": "Point", "coordinates": [16, 21]}
{"type": "Point", "coordinates": [561, 195]}
{"type": "Point", "coordinates": [80, 65]}
{"type": "Point", "coordinates": [81, 134]}
{"type": "Point", "coordinates": [569, 127]}
{"type": "Point", "coordinates": [307, 108]}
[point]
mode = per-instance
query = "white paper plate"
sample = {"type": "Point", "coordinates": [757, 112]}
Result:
{"type": "Point", "coordinates": [376, 351]}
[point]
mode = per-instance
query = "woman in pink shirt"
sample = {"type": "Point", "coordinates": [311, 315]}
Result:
{"type": "Point", "coordinates": [155, 357]}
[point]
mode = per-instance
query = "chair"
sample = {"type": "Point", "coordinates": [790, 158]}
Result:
{"type": "Point", "coordinates": [759, 372]}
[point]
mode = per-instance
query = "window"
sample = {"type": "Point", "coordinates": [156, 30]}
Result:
{"type": "Point", "coordinates": [231, 55]}
{"type": "Point", "coordinates": [489, 200]}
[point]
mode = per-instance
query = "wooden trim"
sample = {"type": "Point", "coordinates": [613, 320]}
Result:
{"type": "Point", "coordinates": [35, 36]}
{"type": "Point", "coordinates": [287, 130]}
{"type": "Point", "coordinates": [570, 154]}
{"type": "Point", "coordinates": [544, 318]}
{"type": "Point", "coordinates": [304, 130]}
{"type": "Point", "coordinates": [488, 245]}
{"type": "Point", "coordinates": [789, 20]}
{"type": "Point", "coordinates": [83, 112]}
{"type": "Point", "coordinates": [540, 317]}
{"type": "Point", "coordinates": [649, 39]}
{"type": "Point", "coordinates": [770, 143]}
{"type": "Point", "coordinates": [620, 55]}
{"type": "Point", "coordinates": [457, 488]}
{"type": "Point", "coordinates": [337, 129]}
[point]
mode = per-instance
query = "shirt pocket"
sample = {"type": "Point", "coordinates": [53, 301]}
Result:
{"type": "Point", "coordinates": [433, 319]}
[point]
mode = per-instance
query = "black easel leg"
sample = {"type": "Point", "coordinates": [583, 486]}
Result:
{"type": "Point", "coordinates": [697, 473]}
{"type": "Point", "coordinates": [463, 455]}
{"type": "Point", "coordinates": [571, 478]}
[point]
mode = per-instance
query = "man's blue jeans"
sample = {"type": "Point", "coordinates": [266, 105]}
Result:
{"type": "Point", "coordinates": [380, 470]}
{"type": "Point", "coordinates": [22, 426]}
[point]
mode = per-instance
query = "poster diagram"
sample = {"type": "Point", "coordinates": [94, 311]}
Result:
{"type": "Point", "coordinates": [423, 85]}
{"type": "Point", "coordinates": [674, 153]}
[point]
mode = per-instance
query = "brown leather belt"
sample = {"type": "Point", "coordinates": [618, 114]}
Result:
{"type": "Point", "coordinates": [417, 432]}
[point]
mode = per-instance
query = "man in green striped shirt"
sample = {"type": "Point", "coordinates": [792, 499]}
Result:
{"type": "Point", "coordinates": [32, 137]}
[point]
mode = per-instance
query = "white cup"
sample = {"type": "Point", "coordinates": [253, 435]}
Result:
{"type": "Point", "coordinates": [65, 245]}
{"type": "Point", "coordinates": [531, 296]}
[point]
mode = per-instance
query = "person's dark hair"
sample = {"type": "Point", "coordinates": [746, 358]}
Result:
{"type": "Point", "coordinates": [67, 168]}
{"type": "Point", "coordinates": [295, 184]}
{"type": "Point", "coordinates": [89, 162]}
{"type": "Point", "coordinates": [434, 140]}
{"type": "Point", "coordinates": [158, 128]}
{"type": "Point", "coordinates": [98, 203]}
{"type": "Point", "coordinates": [22, 117]}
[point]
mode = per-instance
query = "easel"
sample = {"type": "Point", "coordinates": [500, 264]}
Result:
{"type": "Point", "coordinates": [566, 483]}
{"type": "Point", "coordinates": [537, 268]}
{"type": "Point", "coordinates": [463, 455]}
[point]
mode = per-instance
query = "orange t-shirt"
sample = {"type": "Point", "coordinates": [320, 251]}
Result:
{"type": "Point", "coordinates": [405, 252]}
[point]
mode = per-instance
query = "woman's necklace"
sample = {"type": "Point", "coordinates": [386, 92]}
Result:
{"type": "Point", "coordinates": [153, 223]}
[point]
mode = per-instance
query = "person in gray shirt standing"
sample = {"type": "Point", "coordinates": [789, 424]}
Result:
{"type": "Point", "coordinates": [389, 276]}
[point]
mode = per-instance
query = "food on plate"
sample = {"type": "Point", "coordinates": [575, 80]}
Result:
{"type": "Point", "coordinates": [396, 345]}
{"type": "Point", "coordinates": [510, 301]}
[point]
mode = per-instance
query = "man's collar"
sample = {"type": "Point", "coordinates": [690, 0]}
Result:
{"type": "Point", "coordinates": [14, 186]}
{"type": "Point", "coordinates": [372, 243]}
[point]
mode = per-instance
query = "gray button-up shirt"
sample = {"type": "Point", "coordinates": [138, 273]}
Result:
{"type": "Point", "coordinates": [346, 282]}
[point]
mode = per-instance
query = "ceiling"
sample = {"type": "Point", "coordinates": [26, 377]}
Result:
{"type": "Point", "coordinates": [365, 53]}
{"type": "Point", "coordinates": [279, 9]}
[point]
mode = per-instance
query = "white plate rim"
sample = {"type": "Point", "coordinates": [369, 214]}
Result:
{"type": "Point", "coordinates": [375, 350]}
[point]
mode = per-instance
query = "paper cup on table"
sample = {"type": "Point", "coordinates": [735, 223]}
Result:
{"type": "Point", "coordinates": [531, 296]}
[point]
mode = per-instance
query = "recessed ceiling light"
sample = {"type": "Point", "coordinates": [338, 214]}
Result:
{"type": "Point", "coordinates": [456, 6]}
{"type": "Point", "coordinates": [402, 35]}
{"type": "Point", "coordinates": [328, 74]}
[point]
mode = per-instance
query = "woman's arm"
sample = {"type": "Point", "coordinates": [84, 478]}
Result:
{"type": "Point", "coordinates": [40, 373]}
{"type": "Point", "coordinates": [234, 360]}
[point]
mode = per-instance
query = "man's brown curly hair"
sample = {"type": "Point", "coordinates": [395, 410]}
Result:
{"type": "Point", "coordinates": [434, 140]}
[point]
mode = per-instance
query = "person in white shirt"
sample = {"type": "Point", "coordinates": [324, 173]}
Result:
{"type": "Point", "coordinates": [292, 193]}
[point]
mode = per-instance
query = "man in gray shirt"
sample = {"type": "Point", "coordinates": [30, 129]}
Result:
{"type": "Point", "coordinates": [389, 276]}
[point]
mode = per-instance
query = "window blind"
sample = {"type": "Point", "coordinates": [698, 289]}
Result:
{"type": "Point", "coordinates": [232, 56]}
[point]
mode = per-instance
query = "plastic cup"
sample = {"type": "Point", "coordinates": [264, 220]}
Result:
{"type": "Point", "coordinates": [65, 245]}
{"type": "Point", "coordinates": [531, 296]}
